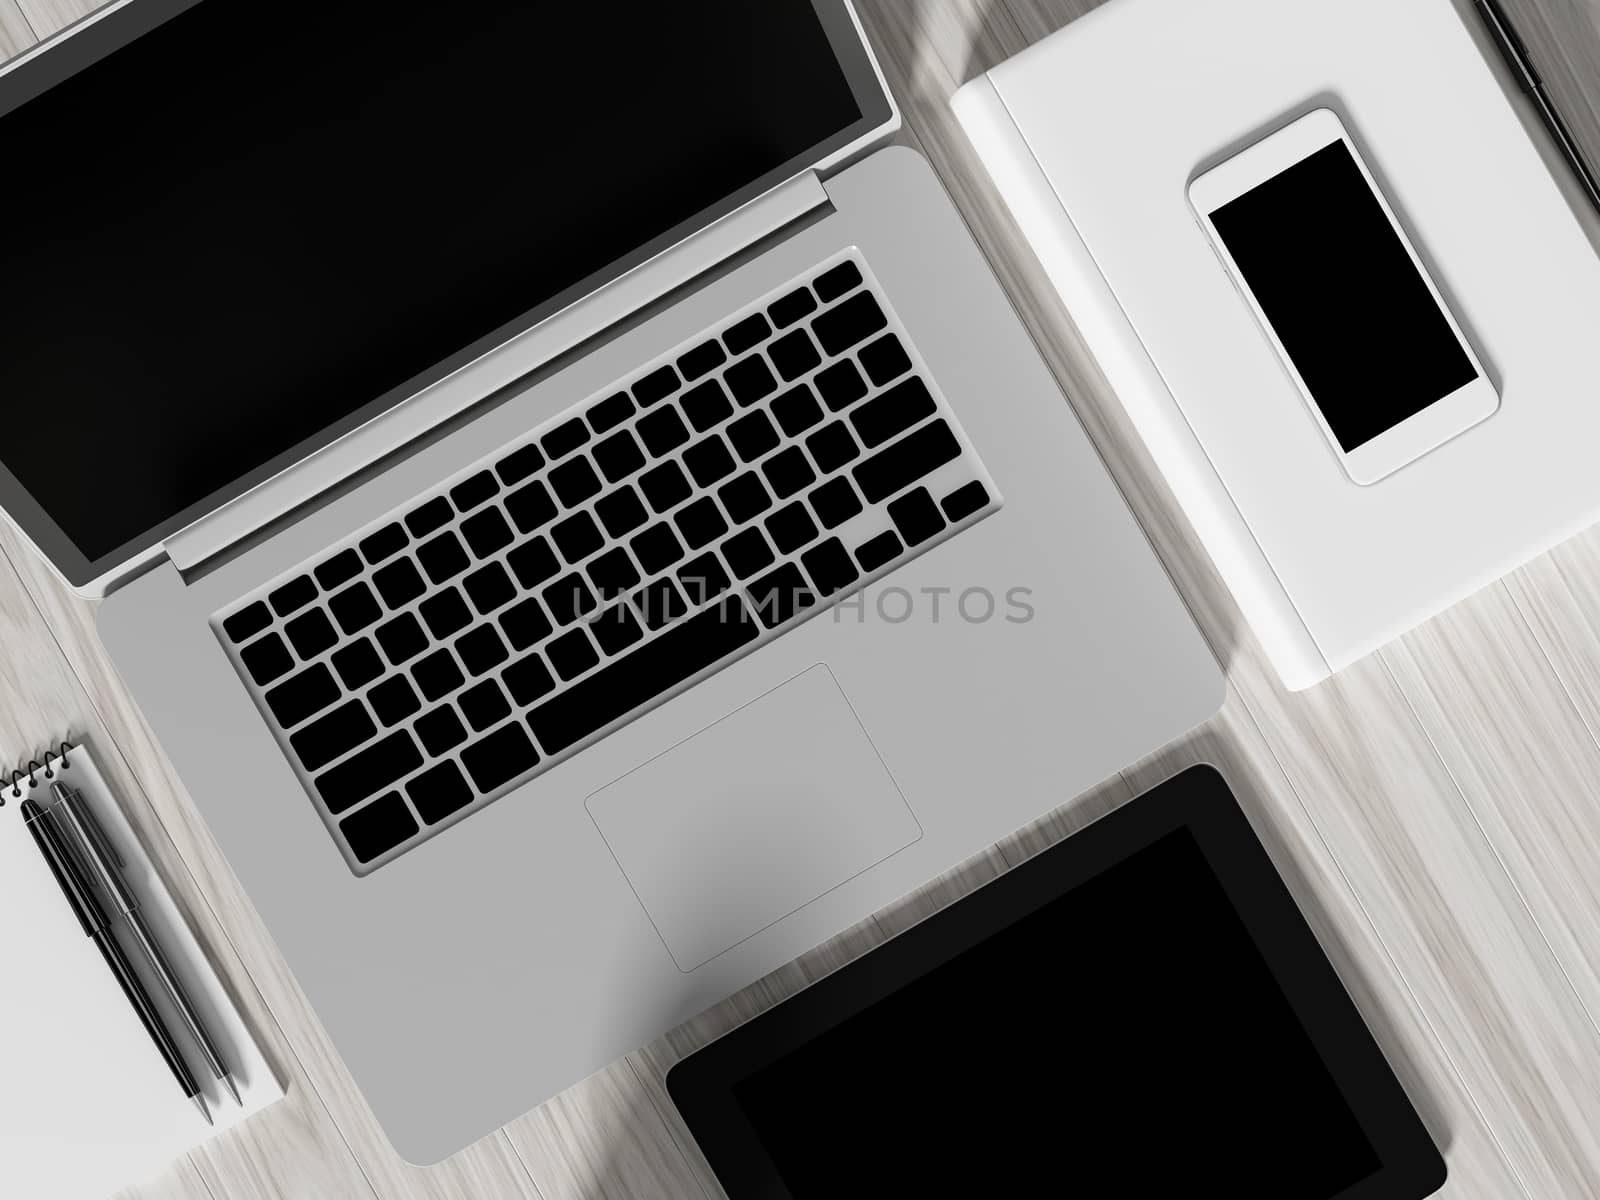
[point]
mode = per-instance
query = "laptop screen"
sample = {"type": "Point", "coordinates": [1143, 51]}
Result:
{"type": "Point", "coordinates": [231, 245]}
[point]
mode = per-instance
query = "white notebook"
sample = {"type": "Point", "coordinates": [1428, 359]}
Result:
{"type": "Point", "coordinates": [87, 1105]}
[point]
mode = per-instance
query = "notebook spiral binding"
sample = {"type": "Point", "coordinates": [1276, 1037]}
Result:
{"type": "Point", "coordinates": [11, 785]}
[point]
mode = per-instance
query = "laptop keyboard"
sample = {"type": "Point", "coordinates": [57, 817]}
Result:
{"type": "Point", "coordinates": [539, 598]}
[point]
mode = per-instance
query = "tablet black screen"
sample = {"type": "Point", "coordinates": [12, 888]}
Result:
{"type": "Point", "coordinates": [1112, 1042]}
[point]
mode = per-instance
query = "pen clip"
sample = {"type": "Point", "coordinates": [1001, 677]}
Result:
{"type": "Point", "coordinates": [91, 823]}
{"type": "Point", "coordinates": [68, 839]}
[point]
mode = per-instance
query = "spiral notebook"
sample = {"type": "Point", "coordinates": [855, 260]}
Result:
{"type": "Point", "coordinates": [87, 1106]}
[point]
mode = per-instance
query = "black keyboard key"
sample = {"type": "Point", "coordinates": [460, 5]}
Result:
{"type": "Point", "coordinates": [577, 537]}
{"type": "Point", "coordinates": [781, 594]}
{"type": "Point", "coordinates": [439, 791]}
{"type": "Point", "coordinates": [386, 542]}
{"type": "Point", "coordinates": [964, 501]}
{"type": "Point", "coordinates": [616, 629]}
{"type": "Point", "coordinates": [247, 622]}
{"type": "Point", "coordinates": [292, 596]}
{"type": "Point", "coordinates": [892, 413]}
{"type": "Point", "coordinates": [358, 664]}
{"type": "Point", "coordinates": [656, 386]}
{"type": "Point", "coordinates": [440, 730]}
{"type": "Point", "coordinates": [664, 486]}
{"type": "Point", "coordinates": [830, 567]}
{"type": "Point", "coordinates": [704, 358]}
{"type": "Point", "coordinates": [354, 608]}
{"type": "Point", "coordinates": [533, 562]}
{"type": "Point", "coordinates": [613, 573]}
{"type": "Point", "coordinates": [794, 354]}
{"type": "Point", "coordinates": [399, 582]}
{"type": "Point", "coordinates": [906, 461]}
{"type": "Point", "coordinates": [746, 334]}
{"type": "Point", "coordinates": [841, 384]}
{"type": "Point", "coordinates": [489, 587]}
{"type": "Point", "coordinates": [854, 320]}
{"type": "Point", "coordinates": [378, 828]}
{"type": "Point", "coordinates": [393, 700]}
{"type": "Point", "coordinates": [884, 359]}
{"type": "Point", "coordinates": [619, 455]}
{"type": "Point", "coordinates": [437, 675]}
{"type": "Point", "coordinates": [656, 548]}
{"type": "Point", "coordinates": [369, 771]}
{"type": "Point", "coordinates": [473, 491]}
{"type": "Point", "coordinates": [832, 447]}
{"type": "Point", "coordinates": [481, 650]}
{"type": "Point", "coordinates": [267, 659]}
{"type": "Point", "coordinates": [527, 679]}
{"type": "Point", "coordinates": [524, 624]}
{"type": "Point", "coordinates": [445, 613]}
{"type": "Point", "coordinates": [636, 678]}
{"type": "Point", "coordinates": [791, 527]}
{"type": "Point", "coordinates": [836, 281]}
{"type": "Point", "coordinates": [786, 310]}
{"type": "Point", "coordinates": [747, 552]}
{"type": "Point", "coordinates": [332, 735]}
{"type": "Point", "coordinates": [706, 405]}
{"type": "Point", "coordinates": [916, 516]}
{"type": "Point", "coordinates": [752, 435]}
{"type": "Point", "coordinates": [749, 380]}
{"type": "Point", "coordinates": [621, 511]}
{"type": "Point", "coordinates": [797, 410]}
{"type": "Point", "coordinates": [708, 461]}
{"type": "Point", "coordinates": [700, 523]}
{"type": "Point", "coordinates": [610, 412]}
{"type": "Point", "coordinates": [564, 439]}
{"type": "Point", "coordinates": [435, 514]}
{"type": "Point", "coordinates": [484, 704]}
{"type": "Point", "coordinates": [835, 502]}
{"type": "Point", "coordinates": [341, 568]}
{"type": "Point", "coordinates": [531, 506]}
{"type": "Point", "coordinates": [486, 532]}
{"type": "Point", "coordinates": [402, 638]}
{"type": "Point", "coordinates": [744, 497]}
{"type": "Point", "coordinates": [519, 464]}
{"type": "Point", "coordinates": [703, 579]}
{"type": "Point", "coordinates": [568, 598]}
{"type": "Point", "coordinates": [500, 757]}
{"type": "Point", "coordinates": [311, 633]}
{"type": "Point", "coordinates": [574, 482]}
{"type": "Point", "coordinates": [663, 431]}
{"type": "Point", "coordinates": [572, 653]}
{"type": "Point", "coordinates": [876, 551]}
{"type": "Point", "coordinates": [788, 472]}
{"type": "Point", "coordinates": [443, 557]}
{"type": "Point", "coordinates": [659, 602]}
{"type": "Point", "coordinates": [303, 695]}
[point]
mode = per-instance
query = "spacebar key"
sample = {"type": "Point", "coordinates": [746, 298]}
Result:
{"type": "Point", "coordinates": [685, 649]}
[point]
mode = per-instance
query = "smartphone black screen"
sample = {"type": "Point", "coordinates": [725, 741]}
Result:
{"type": "Point", "coordinates": [1343, 296]}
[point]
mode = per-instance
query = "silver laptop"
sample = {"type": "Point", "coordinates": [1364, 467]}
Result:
{"type": "Point", "coordinates": [575, 506]}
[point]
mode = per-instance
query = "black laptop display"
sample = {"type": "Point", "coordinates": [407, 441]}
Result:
{"type": "Point", "coordinates": [1139, 1011]}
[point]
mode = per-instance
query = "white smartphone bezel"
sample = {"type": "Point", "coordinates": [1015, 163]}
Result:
{"type": "Point", "coordinates": [1419, 433]}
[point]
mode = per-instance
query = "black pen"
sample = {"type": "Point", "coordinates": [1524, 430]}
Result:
{"type": "Point", "coordinates": [1516, 56]}
{"type": "Point", "coordinates": [93, 920]}
{"type": "Point", "coordinates": [102, 862]}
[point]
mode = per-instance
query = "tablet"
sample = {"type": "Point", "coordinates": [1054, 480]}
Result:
{"type": "Point", "coordinates": [1140, 1010]}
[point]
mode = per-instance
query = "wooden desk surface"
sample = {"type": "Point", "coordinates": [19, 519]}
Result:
{"type": "Point", "coordinates": [1436, 807]}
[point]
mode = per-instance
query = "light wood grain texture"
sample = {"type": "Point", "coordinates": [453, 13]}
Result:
{"type": "Point", "coordinates": [1435, 808]}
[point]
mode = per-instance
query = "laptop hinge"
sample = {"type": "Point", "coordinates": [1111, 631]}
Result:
{"type": "Point", "coordinates": [580, 321]}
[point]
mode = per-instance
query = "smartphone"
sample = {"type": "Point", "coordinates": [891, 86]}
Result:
{"type": "Point", "coordinates": [1314, 247]}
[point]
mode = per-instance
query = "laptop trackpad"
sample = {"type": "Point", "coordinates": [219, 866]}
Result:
{"type": "Point", "coordinates": [753, 817]}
